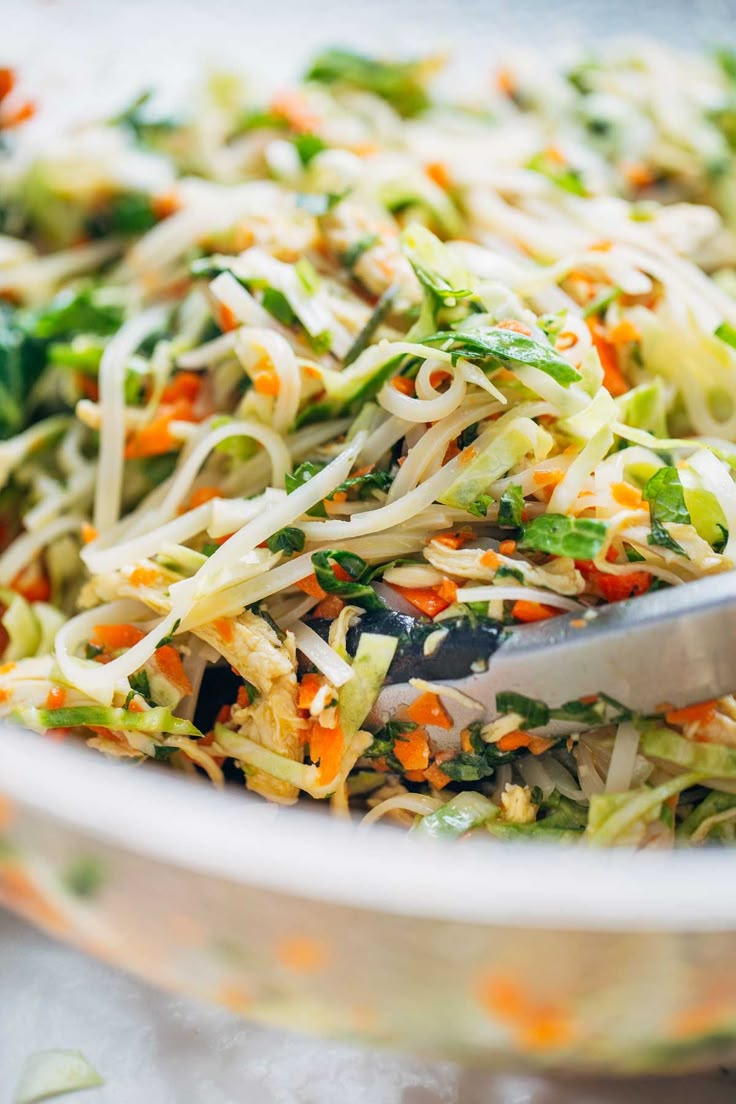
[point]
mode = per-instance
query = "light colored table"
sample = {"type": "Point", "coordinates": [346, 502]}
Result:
{"type": "Point", "coordinates": [153, 1048]}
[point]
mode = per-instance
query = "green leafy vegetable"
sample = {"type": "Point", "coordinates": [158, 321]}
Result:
{"type": "Point", "coordinates": [308, 146]}
{"type": "Point", "coordinates": [288, 540]}
{"type": "Point", "coordinates": [622, 818]}
{"type": "Point", "coordinates": [84, 876]}
{"type": "Point", "coordinates": [727, 333]}
{"type": "Point", "coordinates": [558, 535]}
{"type": "Point", "coordinates": [354, 588]}
{"type": "Point", "coordinates": [712, 805]}
{"type": "Point", "coordinates": [278, 305]}
{"type": "Point", "coordinates": [564, 176]}
{"type": "Point", "coordinates": [532, 712]}
{"type": "Point", "coordinates": [666, 500]}
{"type": "Point", "coordinates": [505, 347]}
{"type": "Point", "coordinates": [385, 740]}
{"type": "Point", "coordinates": [402, 84]}
{"type": "Point", "coordinates": [511, 507]}
{"type": "Point", "coordinates": [377, 318]}
{"type": "Point", "coordinates": [152, 721]}
{"type": "Point", "coordinates": [135, 118]}
{"type": "Point", "coordinates": [460, 814]}
{"type": "Point", "coordinates": [352, 255]}
{"type": "Point", "coordinates": [130, 213]}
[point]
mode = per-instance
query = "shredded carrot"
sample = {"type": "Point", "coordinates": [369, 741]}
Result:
{"type": "Point", "coordinates": [293, 106]}
{"type": "Point", "coordinates": [89, 533]}
{"type": "Point", "coordinates": [310, 586]}
{"type": "Point", "coordinates": [578, 623]}
{"type": "Point", "coordinates": [566, 340]}
{"type": "Point", "coordinates": [228, 318]}
{"type": "Point", "coordinates": [426, 599]}
{"type": "Point", "coordinates": [623, 332]}
{"type": "Point", "coordinates": [503, 997]}
{"type": "Point", "coordinates": [436, 777]}
{"type": "Point", "coordinates": [225, 628]}
{"type": "Point", "coordinates": [638, 174]}
{"type": "Point", "coordinates": [404, 385]}
{"type": "Point", "coordinates": [152, 440]}
{"type": "Point", "coordinates": [427, 709]}
{"type": "Point", "coordinates": [626, 495]}
{"type": "Point", "coordinates": [302, 954]}
{"type": "Point", "coordinates": [546, 1029]}
{"type": "Point", "coordinates": [452, 450]}
{"type": "Point", "coordinates": [455, 539]}
{"type": "Point", "coordinates": [267, 383]}
{"type": "Point", "coordinates": [55, 697]}
{"type": "Point", "coordinates": [170, 665]}
{"type": "Point", "coordinates": [512, 741]}
{"type": "Point", "coordinates": [184, 385]}
{"type": "Point", "coordinates": [5, 695]}
{"type": "Point", "coordinates": [143, 576]}
{"type": "Point", "coordinates": [437, 172]}
{"type": "Point", "coordinates": [533, 611]}
{"type": "Point", "coordinates": [506, 82]}
{"type": "Point", "coordinates": [165, 204]}
{"type": "Point", "coordinates": [555, 155]}
{"type": "Point", "coordinates": [225, 713]}
{"type": "Point", "coordinates": [202, 495]}
{"type": "Point", "coordinates": [7, 82]}
{"type": "Point", "coordinates": [135, 706]}
{"type": "Point", "coordinates": [613, 380]}
{"type": "Point", "coordinates": [507, 547]}
{"type": "Point", "coordinates": [702, 713]}
{"type": "Point", "coordinates": [468, 455]}
{"type": "Point", "coordinates": [490, 560]}
{"type": "Point", "coordinates": [32, 584]}
{"type": "Point", "coordinates": [308, 689]}
{"type": "Point", "coordinates": [515, 325]}
{"type": "Point", "coordinates": [605, 245]}
{"type": "Point", "coordinates": [439, 376]}
{"type": "Point", "coordinates": [447, 590]}
{"type": "Point", "coordinates": [326, 748]}
{"type": "Point", "coordinates": [89, 387]}
{"type": "Point", "coordinates": [20, 114]}
{"type": "Point", "coordinates": [6, 668]}
{"type": "Point", "coordinates": [412, 750]}
{"type": "Point", "coordinates": [116, 637]}
{"type": "Point", "coordinates": [548, 478]}
{"type": "Point", "coordinates": [614, 588]}
{"type": "Point", "coordinates": [330, 607]}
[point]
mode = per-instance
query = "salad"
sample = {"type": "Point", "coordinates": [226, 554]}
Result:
{"type": "Point", "coordinates": [279, 365]}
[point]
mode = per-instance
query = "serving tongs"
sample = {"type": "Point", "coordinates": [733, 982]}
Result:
{"type": "Point", "coordinates": [668, 649]}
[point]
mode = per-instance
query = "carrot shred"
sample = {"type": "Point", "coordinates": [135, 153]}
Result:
{"type": "Point", "coordinates": [427, 709]}
{"type": "Point", "coordinates": [20, 114]}
{"type": "Point", "coordinates": [32, 584]}
{"type": "Point", "coordinates": [330, 607]}
{"type": "Point", "coordinates": [438, 173]}
{"type": "Point", "coordinates": [202, 495]}
{"type": "Point", "coordinates": [512, 741]}
{"type": "Point", "coordinates": [436, 777]}
{"type": "Point", "coordinates": [404, 385]}
{"type": "Point", "coordinates": [566, 340]}
{"type": "Point", "coordinates": [626, 495]}
{"type": "Point", "coordinates": [225, 628]}
{"type": "Point", "coordinates": [490, 560]}
{"type": "Point", "coordinates": [507, 547]}
{"type": "Point", "coordinates": [439, 376]}
{"type": "Point", "coordinates": [228, 318]}
{"type": "Point", "coordinates": [152, 440]}
{"type": "Point", "coordinates": [55, 697]}
{"type": "Point", "coordinates": [165, 204]}
{"type": "Point", "coordinates": [515, 325]}
{"type": "Point", "coordinates": [308, 689]}
{"type": "Point", "coordinates": [455, 539]}
{"type": "Point", "coordinates": [412, 750]}
{"type": "Point", "coordinates": [7, 81]}
{"type": "Point", "coordinates": [702, 713]}
{"type": "Point", "coordinates": [613, 380]}
{"type": "Point", "coordinates": [638, 174]}
{"type": "Point", "coordinates": [170, 665]}
{"type": "Point", "coordinates": [447, 590]}
{"type": "Point", "coordinates": [184, 385]}
{"type": "Point", "coordinates": [292, 106]}
{"type": "Point", "coordinates": [623, 332]}
{"type": "Point", "coordinates": [326, 747]}
{"type": "Point", "coordinates": [548, 478]}
{"type": "Point", "coordinates": [115, 637]}
{"type": "Point", "coordinates": [311, 587]}
{"type": "Point", "coordinates": [6, 668]}
{"type": "Point", "coordinates": [143, 576]}
{"type": "Point", "coordinates": [426, 599]}
{"type": "Point", "coordinates": [89, 533]}
{"type": "Point", "coordinates": [267, 383]}
{"type": "Point", "coordinates": [524, 610]}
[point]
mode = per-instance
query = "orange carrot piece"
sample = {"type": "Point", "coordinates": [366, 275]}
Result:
{"type": "Point", "coordinates": [170, 665]}
{"type": "Point", "coordinates": [447, 590]}
{"type": "Point", "coordinates": [7, 82]}
{"type": "Point", "coordinates": [524, 610]}
{"type": "Point", "coordinates": [311, 587]}
{"type": "Point", "coordinates": [702, 713]}
{"type": "Point", "coordinates": [89, 533]}
{"type": "Point", "coordinates": [427, 709]}
{"type": "Point", "coordinates": [267, 383]}
{"type": "Point", "coordinates": [56, 697]}
{"type": "Point", "coordinates": [548, 478]}
{"type": "Point", "coordinates": [184, 385]}
{"type": "Point", "coordinates": [202, 495]}
{"type": "Point", "coordinates": [426, 599]}
{"type": "Point", "coordinates": [32, 584]}
{"type": "Point", "coordinates": [228, 318]}
{"type": "Point", "coordinates": [454, 539]}
{"type": "Point", "coordinates": [115, 637]}
{"type": "Point", "coordinates": [626, 495]}
{"type": "Point", "coordinates": [165, 204]}
{"type": "Point", "coordinates": [437, 172]}
{"type": "Point", "coordinates": [623, 332]}
{"type": "Point", "coordinates": [308, 688]}
{"type": "Point", "coordinates": [225, 628]}
{"type": "Point", "coordinates": [515, 325]}
{"type": "Point", "coordinates": [436, 777]}
{"type": "Point", "coordinates": [507, 547]}
{"type": "Point", "coordinates": [404, 385]}
{"type": "Point", "coordinates": [326, 748]}
{"type": "Point", "coordinates": [143, 576]}
{"type": "Point", "coordinates": [330, 607]}
{"type": "Point", "coordinates": [412, 750]}
{"type": "Point", "coordinates": [490, 560]}
{"type": "Point", "coordinates": [613, 380]}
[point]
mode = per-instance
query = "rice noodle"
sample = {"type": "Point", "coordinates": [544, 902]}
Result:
{"type": "Point", "coordinates": [623, 758]}
{"type": "Point", "coordinates": [420, 804]}
{"type": "Point", "coordinates": [325, 658]}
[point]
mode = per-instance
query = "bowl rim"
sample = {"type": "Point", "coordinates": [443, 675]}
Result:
{"type": "Point", "coordinates": [236, 837]}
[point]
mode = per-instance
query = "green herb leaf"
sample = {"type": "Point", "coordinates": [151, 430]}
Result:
{"type": "Point", "coordinates": [288, 540]}
{"type": "Point", "coordinates": [580, 538]}
{"type": "Point", "coordinates": [402, 84]}
{"type": "Point", "coordinates": [84, 876]}
{"type": "Point", "coordinates": [278, 305]}
{"type": "Point", "coordinates": [666, 500]}
{"type": "Point", "coordinates": [511, 507]}
{"type": "Point", "coordinates": [533, 713]}
{"type": "Point", "coordinates": [563, 176]}
{"type": "Point", "coordinates": [252, 691]}
{"type": "Point", "coordinates": [169, 638]}
{"type": "Point", "coordinates": [352, 255]}
{"type": "Point", "coordinates": [479, 506]}
{"type": "Point", "coordinates": [380, 311]}
{"type": "Point", "coordinates": [727, 333]}
{"type": "Point", "coordinates": [500, 347]}
{"type": "Point", "coordinates": [127, 214]}
{"type": "Point", "coordinates": [302, 475]}
{"type": "Point", "coordinates": [355, 588]}
{"type": "Point", "coordinates": [307, 274]}
{"type": "Point", "coordinates": [308, 146]}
